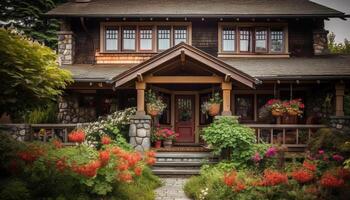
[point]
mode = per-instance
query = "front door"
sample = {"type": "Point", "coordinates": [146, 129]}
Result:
{"type": "Point", "coordinates": [185, 118]}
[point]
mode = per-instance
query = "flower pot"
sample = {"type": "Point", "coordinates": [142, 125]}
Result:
{"type": "Point", "coordinates": [158, 144]}
{"type": "Point", "coordinates": [151, 110]}
{"type": "Point", "coordinates": [214, 109]}
{"type": "Point", "coordinates": [168, 143]}
{"type": "Point", "coordinates": [292, 112]}
{"type": "Point", "coordinates": [276, 113]}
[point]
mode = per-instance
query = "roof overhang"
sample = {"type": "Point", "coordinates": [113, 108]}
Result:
{"type": "Point", "coordinates": [181, 50]}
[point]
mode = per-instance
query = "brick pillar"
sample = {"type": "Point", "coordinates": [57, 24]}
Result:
{"type": "Point", "coordinates": [320, 42]}
{"type": "Point", "coordinates": [140, 132]}
{"type": "Point", "coordinates": [66, 47]}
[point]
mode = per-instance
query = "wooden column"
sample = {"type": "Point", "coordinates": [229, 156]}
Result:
{"type": "Point", "coordinates": [140, 87]}
{"type": "Point", "coordinates": [226, 96]}
{"type": "Point", "coordinates": [339, 99]}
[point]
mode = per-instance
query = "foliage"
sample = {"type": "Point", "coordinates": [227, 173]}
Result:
{"type": "Point", "coordinates": [41, 115]}
{"type": "Point", "coordinates": [112, 125]}
{"type": "Point", "coordinates": [164, 134]}
{"type": "Point", "coordinates": [338, 48]}
{"type": "Point", "coordinates": [226, 134]}
{"type": "Point", "coordinates": [47, 171]}
{"type": "Point", "coordinates": [154, 102]}
{"type": "Point", "coordinates": [28, 17]}
{"type": "Point", "coordinates": [29, 74]}
{"type": "Point", "coordinates": [347, 104]}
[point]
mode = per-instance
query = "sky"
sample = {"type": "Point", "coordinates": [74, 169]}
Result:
{"type": "Point", "coordinates": [340, 27]}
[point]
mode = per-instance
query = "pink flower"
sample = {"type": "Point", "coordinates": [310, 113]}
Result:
{"type": "Point", "coordinates": [338, 158]}
{"type": "Point", "coordinates": [256, 158]}
{"type": "Point", "coordinates": [271, 152]}
{"type": "Point", "coordinates": [321, 152]}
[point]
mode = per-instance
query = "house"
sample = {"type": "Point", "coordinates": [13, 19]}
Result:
{"type": "Point", "coordinates": [249, 51]}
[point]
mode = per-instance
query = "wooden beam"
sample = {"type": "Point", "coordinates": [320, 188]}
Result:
{"type": "Point", "coordinates": [183, 79]}
{"type": "Point", "coordinates": [227, 77]}
{"type": "Point", "coordinates": [183, 57]}
{"type": "Point", "coordinates": [140, 87]}
{"type": "Point", "coordinates": [139, 78]}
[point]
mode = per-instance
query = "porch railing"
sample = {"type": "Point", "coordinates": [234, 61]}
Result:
{"type": "Point", "coordinates": [45, 132]}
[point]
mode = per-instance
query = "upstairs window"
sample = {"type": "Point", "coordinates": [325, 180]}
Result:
{"type": "Point", "coordinates": [228, 39]}
{"type": "Point", "coordinates": [260, 40]}
{"type": "Point", "coordinates": [146, 39]}
{"type": "Point", "coordinates": [245, 43]}
{"type": "Point", "coordinates": [129, 39]}
{"type": "Point", "coordinates": [276, 40]}
{"type": "Point", "coordinates": [180, 35]}
{"type": "Point", "coordinates": [111, 38]}
{"type": "Point", "coordinates": [164, 38]}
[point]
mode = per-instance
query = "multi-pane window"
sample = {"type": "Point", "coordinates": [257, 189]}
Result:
{"type": "Point", "coordinates": [228, 39]}
{"type": "Point", "coordinates": [146, 39]}
{"type": "Point", "coordinates": [260, 40]}
{"type": "Point", "coordinates": [111, 35]}
{"type": "Point", "coordinates": [245, 43]}
{"type": "Point", "coordinates": [164, 38]}
{"type": "Point", "coordinates": [129, 39]}
{"type": "Point", "coordinates": [180, 35]}
{"type": "Point", "coordinates": [276, 40]}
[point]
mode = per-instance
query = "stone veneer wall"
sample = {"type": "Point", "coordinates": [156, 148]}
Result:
{"type": "Point", "coordinates": [140, 133]}
{"type": "Point", "coordinates": [320, 42]}
{"type": "Point", "coordinates": [340, 123]}
{"type": "Point", "coordinates": [66, 47]}
{"type": "Point", "coordinates": [70, 112]}
{"type": "Point", "coordinates": [19, 132]}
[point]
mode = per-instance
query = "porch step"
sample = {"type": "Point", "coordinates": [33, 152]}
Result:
{"type": "Point", "coordinates": [182, 163]}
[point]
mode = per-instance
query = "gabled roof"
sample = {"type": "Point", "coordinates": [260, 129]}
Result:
{"type": "Point", "coordinates": [195, 8]}
{"type": "Point", "coordinates": [192, 52]}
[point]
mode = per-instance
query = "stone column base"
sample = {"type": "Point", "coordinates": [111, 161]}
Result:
{"type": "Point", "coordinates": [140, 132]}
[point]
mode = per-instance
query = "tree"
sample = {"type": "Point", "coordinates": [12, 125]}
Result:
{"type": "Point", "coordinates": [338, 48]}
{"type": "Point", "coordinates": [28, 16]}
{"type": "Point", "coordinates": [29, 74]}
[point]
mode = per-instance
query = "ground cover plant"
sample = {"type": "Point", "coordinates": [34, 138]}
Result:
{"type": "Point", "coordinates": [82, 171]}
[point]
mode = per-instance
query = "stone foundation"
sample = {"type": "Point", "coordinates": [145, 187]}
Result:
{"type": "Point", "coordinates": [66, 47]}
{"type": "Point", "coordinates": [140, 133]}
{"type": "Point", "coordinates": [19, 132]}
{"type": "Point", "coordinates": [320, 42]}
{"type": "Point", "coordinates": [70, 112]}
{"type": "Point", "coordinates": [340, 123]}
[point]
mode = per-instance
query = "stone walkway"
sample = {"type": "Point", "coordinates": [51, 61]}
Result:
{"type": "Point", "coordinates": [172, 189]}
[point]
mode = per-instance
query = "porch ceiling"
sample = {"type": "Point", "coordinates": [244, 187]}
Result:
{"type": "Point", "coordinates": [185, 54]}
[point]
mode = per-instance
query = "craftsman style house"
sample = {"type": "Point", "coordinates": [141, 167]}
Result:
{"type": "Point", "coordinates": [248, 51]}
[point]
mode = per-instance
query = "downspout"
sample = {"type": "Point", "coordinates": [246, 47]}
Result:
{"type": "Point", "coordinates": [82, 21]}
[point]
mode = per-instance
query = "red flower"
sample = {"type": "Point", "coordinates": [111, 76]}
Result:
{"type": "Point", "coordinates": [57, 143]}
{"type": "Point", "coordinates": [328, 180]}
{"type": "Point", "coordinates": [133, 158]}
{"type": "Point", "coordinates": [138, 171]}
{"type": "Point", "coordinates": [77, 136]}
{"type": "Point", "coordinates": [229, 179]}
{"type": "Point", "coordinates": [105, 140]}
{"type": "Point", "coordinates": [123, 166]}
{"type": "Point", "coordinates": [125, 177]}
{"type": "Point", "coordinates": [151, 154]}
{"type": "Point", "coordinates": [151, 161]}
{"type": "Point", "coordinates": [88, 170]}
{"type": "Point", "coordinates": [104, 157]}
{"type": "Point", "coordinates": [272, 178]}
{"type": "Point", "coordinates": [302, 176]}
{"type": "Point", "coordinates": [239, 187]}
{"type": "Point", "coordinates": [61, 164]}
{"type": "Point", "coordinates": [309, 166]}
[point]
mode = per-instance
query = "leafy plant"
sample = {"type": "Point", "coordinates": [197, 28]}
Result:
{"type": "Point", "coordinates": [41, 115]}
{"type": "Point", "coordinates": [154, 102]}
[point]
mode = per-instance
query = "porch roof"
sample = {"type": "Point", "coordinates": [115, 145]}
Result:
{"type": "Point", "coordinates": [181, 51]}
{"type": "Point", "coordinates": [195, 8]}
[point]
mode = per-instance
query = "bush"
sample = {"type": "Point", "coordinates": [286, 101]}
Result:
{"type": "Point", "coordinates": [330, 140]}
{"type": "Point", "coordinates": [42, 115]}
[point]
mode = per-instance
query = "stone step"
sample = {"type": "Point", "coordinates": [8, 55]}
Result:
{"type": "Point", "coordinates": [175, 171]}
{"type": "Point", "coordinates": [181, 164]}
{"type": "Point", "coordinates": [184, 155]}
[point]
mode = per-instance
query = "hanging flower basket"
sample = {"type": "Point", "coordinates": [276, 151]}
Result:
{"type": "Point", "coordinates": [154, 104]}
{"type": "Point", "coordinates": [276, 113]}
{"type": "Point", "coordinates": [293, 112]}
{"type": "Point", "coordinates": [214, 109]}
{"type": "Point", "coordinates": [152, 110]}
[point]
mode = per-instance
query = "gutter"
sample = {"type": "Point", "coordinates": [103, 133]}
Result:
{"type": "Point", "coordinates": [308, 77]}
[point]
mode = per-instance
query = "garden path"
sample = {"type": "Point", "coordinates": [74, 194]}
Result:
{"type": "Point", "coordinates": [172, 189]}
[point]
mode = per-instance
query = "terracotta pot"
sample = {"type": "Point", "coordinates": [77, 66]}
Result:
{"type": "Point", "coordinates": [158, 144]}
{"type": "Point", "coordinates": [168, 143]}
{"type": "Point", "coordinates": [214, 109]}
{"type": "Point", "coordinates": [292, 113]}
{"type": "Point", "coordinates": [152, 111]}
{"type": "Point", "coordinates": [276, 113]}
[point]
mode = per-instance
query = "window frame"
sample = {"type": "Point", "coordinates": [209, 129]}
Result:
{"type": "Point", "coordinates": [138, 26]}
{"type": "Point", "coordinates": [135, 38]}
{"type": "Point", "coordinates": [234, 41]}
{"type": "Point", "coordinates": [283, 41]}
{"type": "Point", "coordinates": [105, 39]}
{"type": "Point", "coordinates": [253, 28]}
{"type": "Point", "coordinates": [179, 28]}
{"type": "Point", "coordinates": [170, 28]}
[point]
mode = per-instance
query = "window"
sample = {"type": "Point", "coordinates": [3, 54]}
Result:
{"type": "Point", "coordinates": [260, 40]}
{"type": "Point", "coordinates": [146, 39]}
{"type": "Point", "coordinates": [163, 38]}
{"type": "Point", "coordinates": [244, 107]}
{"type": "Point", "coordinates": [111, 35]}
{"type": "Point", "coordinates": [228, 39]}
{"type": "Point", "coordinates": [245, 43]}
{"type": "Point", "coordinates": [129, 36]}
{"type": "Point", "coordinates": [164, 118]}
{"type": "Point", "coordinates": [276, 40]}
{"type": "Point", "coordinates": [180, 35]}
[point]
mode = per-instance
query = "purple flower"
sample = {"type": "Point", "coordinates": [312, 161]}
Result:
{"type": "Point", "coordinates": [256, 158]}
{"type": "Point", "coordinates": [320, 152]}
{"type": "Point", "coordinates": [338, 158]}
{"type": "Point", "coordinates": [271, 152]}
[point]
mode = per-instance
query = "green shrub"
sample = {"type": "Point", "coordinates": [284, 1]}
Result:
{"type": "Point", "coordinates": [42, 115]}
{"type": "Point", "coordinates": [330, 140]}
{"type": "Point", "coordinates": [14, 189]}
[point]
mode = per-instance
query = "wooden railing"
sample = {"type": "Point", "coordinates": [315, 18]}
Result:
{"type": "Point", "coordinates": [45, 132]}
{"type": "Point", "coordinates": [291, 135]}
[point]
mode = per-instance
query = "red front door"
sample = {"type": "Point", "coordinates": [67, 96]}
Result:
{"type": "Point", "coordinates": [185, 118]}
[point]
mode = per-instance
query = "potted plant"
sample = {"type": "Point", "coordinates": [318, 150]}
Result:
{"type": "Point", "coordinates": [157, 138]}
{"type": "Point", "coordinates": [154, 104]}
{"type": "Point", "coordinates": [168, 135]}
{"type": "Point", "coordinates": [276, 107]}
{"type": "Point", "coordinates": [212, 106]}
{"type": "Point", "coordinates": [294, 107]}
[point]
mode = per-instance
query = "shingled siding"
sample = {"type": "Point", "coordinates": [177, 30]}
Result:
{"type": "Point", "coordinates": [205, 36]}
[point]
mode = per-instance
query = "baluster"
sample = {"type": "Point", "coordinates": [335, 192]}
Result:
{"type": "Point", "coordinates": [258, 135]}
{"type": "Point", "coordinates": [297, 139]}
{"type": "Point", "coordinates": [53, 133]}
{"type": "Point", "coordinates": [284, 136]}
{"type": "Point", "coordinates": [45, 135]}
{"type": "Point", "coordinates": [65, 135]}
{"type": "Point", "coordinates": [271, 135]}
